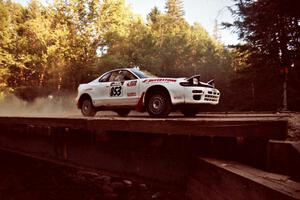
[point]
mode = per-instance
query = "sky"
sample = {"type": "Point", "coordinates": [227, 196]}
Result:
{"type": "Point", "coordinates": [203, 11]}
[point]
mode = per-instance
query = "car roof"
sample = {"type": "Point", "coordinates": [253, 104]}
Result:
{"type": "Point", "coordinates": [129, 69]}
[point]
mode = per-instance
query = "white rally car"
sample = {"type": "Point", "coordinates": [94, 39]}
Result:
{"type": "Point", "coordinates": [123, 90]}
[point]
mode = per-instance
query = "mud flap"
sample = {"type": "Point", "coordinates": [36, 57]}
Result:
{"type": "Point", "coordinates": [140, 105]}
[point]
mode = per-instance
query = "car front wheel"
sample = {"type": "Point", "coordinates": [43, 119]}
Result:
{"type": "Point", "coordinates": [87, 108]}
{"type": "Point", "coordinates": [159, 105]}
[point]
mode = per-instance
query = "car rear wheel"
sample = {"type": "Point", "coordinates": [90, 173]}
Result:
{"type": "Point", "coordinates": [87, 108]}
{"type": "Point", "coordinates": [189, 112]}
{"type": "Point", "coordinates": [159, 105]}
{"type": "Point", "coordinates": [123, 112]}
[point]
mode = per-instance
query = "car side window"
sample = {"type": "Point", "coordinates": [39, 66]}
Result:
{"type": "Point", "coordinates": [129, 76]}
{"type": "Point", "coordinates": [119, 75]}
{"type": "Point", "coordinates": [115, 76]}
{"type": "Point", "coordinates": [105, 78]}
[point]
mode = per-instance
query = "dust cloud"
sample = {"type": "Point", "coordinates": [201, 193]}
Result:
{"type": "Point", "coordinates": [45, 106]}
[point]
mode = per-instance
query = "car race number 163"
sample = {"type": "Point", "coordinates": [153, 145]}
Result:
{"type": "Point", "coordinates": [116, 91]}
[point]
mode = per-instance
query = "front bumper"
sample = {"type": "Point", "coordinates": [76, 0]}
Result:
{"type": "Point", "coordinates": [201, 95]}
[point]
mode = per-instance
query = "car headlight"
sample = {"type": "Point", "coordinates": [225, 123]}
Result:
{"type": "Point", "coordinates": [195, 81]}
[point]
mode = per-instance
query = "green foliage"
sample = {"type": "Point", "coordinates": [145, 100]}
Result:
{"type": "Point", "coordinates": [174, 9]}
{"type": "Point", "coordinates": [63, 44]}
{"type": "Point", "coordinates": [153, 16]}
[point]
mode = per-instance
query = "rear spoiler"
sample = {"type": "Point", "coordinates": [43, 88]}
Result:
{"type": "Point", "coordinates": [195, 76]}
{"type": "Point", "coordinates": [211, 82]}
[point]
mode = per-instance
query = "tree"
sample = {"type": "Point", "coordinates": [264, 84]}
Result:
{"type": "Point", "coordinates": [153, 15]}
{"type": "Point", "coordinates": [174, 9]}
{"type": "Point", "coordinates": [5, 57]}
{"type": "Point", "coordinates": [10, 60]}
{"type": "Point", "coordinates": [113, 27]}
{"type": "Point", "coordinates": [271, 31]}
{"type": "Point", "coordinates": [59, 45]}
{"type": "Point", "coordinates": [73, 52]}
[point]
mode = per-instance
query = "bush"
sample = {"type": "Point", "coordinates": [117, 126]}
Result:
{"type": "Point", "coordinates": [31, 93]}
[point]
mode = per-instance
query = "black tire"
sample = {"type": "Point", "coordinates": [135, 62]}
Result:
{"type": "Point", "coordinates": [159, 105]}
{"type": "Point", "coordinates": [87, 108]}
{"type": "Point", "coordinates": [189, 112]}
{"type": "Point", "coordinates": [123, 112]}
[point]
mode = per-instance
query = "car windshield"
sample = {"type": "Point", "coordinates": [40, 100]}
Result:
{"type": "Point", "coordinates": [142, 74]}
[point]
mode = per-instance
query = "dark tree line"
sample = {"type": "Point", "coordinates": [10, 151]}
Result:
{"type": "Point", "coordinates": [271, 31]}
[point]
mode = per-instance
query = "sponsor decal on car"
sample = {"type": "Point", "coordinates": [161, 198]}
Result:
{"type": "Point", "coordinates": [131, 83]}
{"type": "Point", "coordinates": [131, 94]}
{"type": "Point", "coordinates": [159, 80]}
{"type": "Point", "coordinates": [178, 97]}
{"type": "Point", "coordinates": [116, 83]}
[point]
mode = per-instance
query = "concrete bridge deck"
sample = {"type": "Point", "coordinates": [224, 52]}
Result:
{"type": "Point", "coordinates": [214, 126]}
{"type": "Point", "coordinates": [158, 151]}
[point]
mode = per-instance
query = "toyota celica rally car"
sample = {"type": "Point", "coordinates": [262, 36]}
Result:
{"type": "Point", "coordinates": [123, 90]}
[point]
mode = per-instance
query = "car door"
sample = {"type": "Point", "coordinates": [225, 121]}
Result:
{"type": "Point", "coordinates": [131, 89]}
{"type": "Point", "coordinates": [118, 88]}
{"type": "Point", "coordinates": [123, 90]}
{"type": "Point", "coordinates": [100, 93]}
